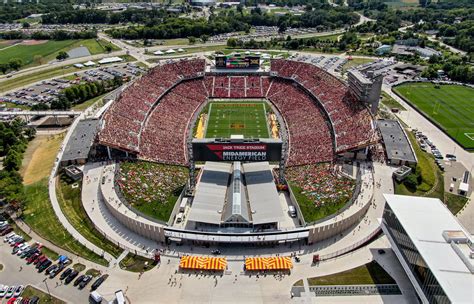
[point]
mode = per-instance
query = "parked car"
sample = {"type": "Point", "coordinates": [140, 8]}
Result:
{"type": "Point", "coordinates": [45, 265]}
{"type": "Point", "coordinates": [79, 279]}
{"type": "Point", "coordinates": [19, 289]}
{"type": "Point", "coordinates": [21, 250]}
{"type": "Point", "coordinates": [10, 292]}
{"type": "Point", "coordinates": [98, 282]}
{"type": "Point", "coordinates": [3, 290]}
{"type": "Point", "coordinates": [85, 281]}
{"type": "Point", "coordinates": [8, 236]}
{"type": "Point", "coordinates": [71, 277]}
{"type": "Point", "coordinates": [7, 229]}
{"type": "Point", "coordinates": [51, 268]}
{"type": "Point", "coordinates": [33, 258]}
{"type": "Point", "coordinates": [451, 157]}
{"type": "Point", "coordinates": [34, 300]}
{"type": "Point", "coordinates": [65, 273]}
{"type": "Point", "coordinates": [56, 271]}
{"type": "Point", "coordinates": [40, 259]}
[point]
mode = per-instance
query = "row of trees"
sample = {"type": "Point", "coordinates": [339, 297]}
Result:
{"type": "Point", "coordinates": [13, 10]}
{"type": "Point", "coordinates": [93, 16]}
{"type": "Point", "coordinates": [12, 64]}
{"type": "Point", "coordinates": [52, 35]}
{"type": "Point", "coordinates": [14, 137]}
{"type": "Point", "coordinates": [456, 68]}
{"type": "Point", "coordinates": [230, 21]}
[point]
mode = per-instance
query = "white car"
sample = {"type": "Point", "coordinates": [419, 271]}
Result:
{"type": "Point", "coordinates": [3, 290]}
{"type": "Point", "coordinates": [18, 291]}
{"type": "Point", "coordinates": [21, 250]}
{"type": "Point", "coordinates": [18, 300]}
{"type": "Point", "coordinates": [10, 292]}
{"type": "Point", "coordinates": [10, 235]}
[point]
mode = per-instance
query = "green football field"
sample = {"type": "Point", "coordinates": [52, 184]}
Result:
{"type": "Point", "coordinates": [237, 118]}
{"type": "Point", "coordinates": [450, 106]}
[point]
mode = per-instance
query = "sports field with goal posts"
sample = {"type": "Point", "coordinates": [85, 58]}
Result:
{"type": "Point", "coordinates": [237, 118]}
{"type": "Point", "coordinates": [451, 107]}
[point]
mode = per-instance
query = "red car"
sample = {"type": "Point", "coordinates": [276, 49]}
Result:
{"type": "Point", "coordinates": [6, 231]}
{"type": "Point", "coordinates": [32, 258]}
{"type": "Point", "coordinates": [41, 258]}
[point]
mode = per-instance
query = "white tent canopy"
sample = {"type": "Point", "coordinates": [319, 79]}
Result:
{"type": "Point", "coordinates": [158, 52]}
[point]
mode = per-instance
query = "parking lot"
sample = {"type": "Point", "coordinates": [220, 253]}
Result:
{"type": "Point", "coordinates": [47, 90]}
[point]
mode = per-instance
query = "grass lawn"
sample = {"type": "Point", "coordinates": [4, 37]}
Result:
{"type": "Point", "coordinates": [455, 202]}
{"type": "Point", "coordinates": [50, 49]}
{"type": "Point", "coordinates": [371, 273]}
{"type": "Point", "coordinates": [71, 204]}
{"type": "Point", "coordinates": [38, 212]}
{"type": "Point", "coordinates": [53, 255]}
{"type": "Point", "coordinates": [79, 267]}
{"type": "Point", "coordinates": [152, 188]}
{"type": "Point", "coordinates": [39, 157]}
{"type": "Point", "coordinates": [312, 213]}
{"type": "Point", "coordinates": [354, 62]}
{"type": "Point", "coordinates": [30, 291]}
{"type": "Point", "coordinates": [136, 263]}
{"type": "Point", "coordinates": [389, 102]}
{"type": "Point", "coordinates": [88, 103]}
{"type": "Point", "coordinates": [451, 107]}
{"type": "Point", "coordinates": [246, 118]}
{"type": "Point", "coordinates": [93, 272]}
{"type": "Point", "coordinates": [40, 216]}
{"type": "Point", "coordinates": [429, 173]}
{"type": "Point", "coordinates": [298, 283]}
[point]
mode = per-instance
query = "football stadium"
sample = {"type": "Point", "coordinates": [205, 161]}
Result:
{"type": "Point", "coordinates": [264, 150]}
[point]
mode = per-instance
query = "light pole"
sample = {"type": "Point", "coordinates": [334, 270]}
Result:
{"type": "Point", "coordinates": [46, 283]}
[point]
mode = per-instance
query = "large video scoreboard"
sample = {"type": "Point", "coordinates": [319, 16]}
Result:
{"type": "Point", "coordinates": [237, 62]}
{"type": "Point", "coordinates": [230, 150]}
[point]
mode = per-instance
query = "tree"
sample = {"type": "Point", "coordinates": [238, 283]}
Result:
{"type": "Point", "coordinates": [15, 63]}
{"type": "Point", "coordinates": [232, 42]}
{"type": "Point", "coordinates": [411, 182]}
{"type": "Point", "coordinates": [204, 38]}
{"type": "Point", "coordinates": [108, 48]}
{"type": "Point", "coordinates": [40, 107]}
{"type": "Point", "coordinates": [4, 67]}
{"type": "Point", "coordinates": [192, 40]}
{"type": "Point", "coordinates": [62, 55]}
{"type": "Point", "coordinates": [38, 59]}
{"type": "Point", "coordinates": [25, 25]}
{"type": "Point", "coordinates": [282, 28]}
{"type": "Point", "coordinates": [12, 160]}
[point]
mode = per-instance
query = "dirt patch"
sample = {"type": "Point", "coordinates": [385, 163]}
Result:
{"type": "Point", "coordinates": [8, 42]}
{"type": "Point", "coordinates": [39, 157]}
{"type": "Point", "coordinates": [33, 42]}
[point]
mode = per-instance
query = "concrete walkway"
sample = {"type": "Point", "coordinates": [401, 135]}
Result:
{"type": "Point", "coordinates": [54, 200]}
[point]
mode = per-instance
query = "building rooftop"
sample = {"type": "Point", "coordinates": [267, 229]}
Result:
{"type": "Point", "coordinates": [262, 192]}
{"type": "Point", "coordinates": [429, 224]}
{"type": "Point", "coordinates": [211, 193]}
{"type": "Point", "coordinates": [397, 145]}
{"type": "Point", "coordinates": [81, 140]}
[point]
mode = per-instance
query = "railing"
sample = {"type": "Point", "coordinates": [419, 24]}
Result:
{"type": "Point", "coordinates": [352, 247]}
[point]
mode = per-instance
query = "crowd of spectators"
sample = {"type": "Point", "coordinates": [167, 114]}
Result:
{"type": "Point", "coordinates": [125, 118]}
{"type": "Point", "coordinates": [163, 137]}
{"type": "Point", "coordinates": [351, 119]}
{"type": "Point", "coordinates": [309, 134]}
{"type": "Point", "coordinates": [237, 86]}
{"type": "Point", "coordinates": [145, 182]}
{"type": "Point", "coordinates": [321, 183]}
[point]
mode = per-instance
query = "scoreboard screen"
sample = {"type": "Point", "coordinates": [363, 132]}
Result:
{"type": "Point", "coordinates": [263, 150]}
{"type": "Point", "coordinates": [237, 62]}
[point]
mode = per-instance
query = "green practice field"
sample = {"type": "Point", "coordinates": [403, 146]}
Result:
{"type": "Point", "coordinates": [237, 118]}
{"type": "Point", "coordinates": [451, 107]}
{"type": "Point", "coordinates": [37, 54]}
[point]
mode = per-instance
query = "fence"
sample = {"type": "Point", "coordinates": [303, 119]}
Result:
{"type": "Point", "coordinates": [350, 248]}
